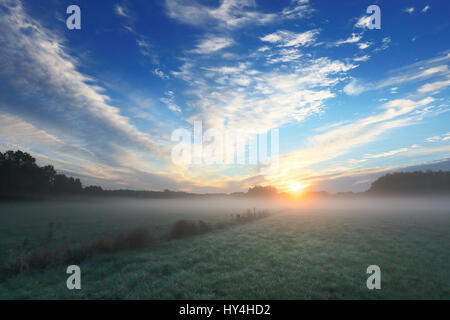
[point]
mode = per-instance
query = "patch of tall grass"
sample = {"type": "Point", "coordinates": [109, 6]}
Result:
{"type": "Point", "coordinates": [43, 253]}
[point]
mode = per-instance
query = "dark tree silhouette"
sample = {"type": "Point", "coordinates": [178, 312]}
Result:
{"type": "Point", "coordinates": [260, 191]}
{"type": "Point", "coordinates": [93, 190]}
{"type": "Point", "coordinates": [418, 182]}
{"type": "Point", "coordinates": [21, 176]}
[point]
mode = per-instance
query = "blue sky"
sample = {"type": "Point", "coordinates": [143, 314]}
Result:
{"type": "Point", "coordinates": [350, 103]}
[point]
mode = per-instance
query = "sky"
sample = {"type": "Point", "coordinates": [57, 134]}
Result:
{"type": "Point", "coordinates": [102, 103]}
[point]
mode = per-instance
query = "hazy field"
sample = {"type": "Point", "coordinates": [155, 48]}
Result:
{"type": "Point", "coordinates": [309, 251]}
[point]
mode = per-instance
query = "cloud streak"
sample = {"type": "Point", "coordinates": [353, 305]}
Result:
{"type": "Point", "coordinates": [419, 71]}
{"type": "Point", "coordinates": [230, 14]}
{"type": "Point", "coordinates": [291, 39]}
{"type": "Point", "coordinates": [212, 44]}
{"type": "Point", "coordinates": [40, 57]}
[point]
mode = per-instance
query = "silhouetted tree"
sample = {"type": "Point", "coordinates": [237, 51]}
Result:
{"type": "Point", "coordinates": [430, 182]}
{"type": "Point", "coordinates": [21, 176]}
{"type": "Point", "coordinates": [96, 190]}
{"type": "Point", "coordinates": [261, 191]}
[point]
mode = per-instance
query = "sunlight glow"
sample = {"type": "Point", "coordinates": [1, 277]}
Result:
{"type": "Point", "coordinates": [296, 186]}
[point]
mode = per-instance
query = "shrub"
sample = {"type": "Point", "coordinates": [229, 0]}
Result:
{"type": "Point", "coordinates": [135, 239]}
{"type": "Point", "coordinates": [185, 228]}
{"type": "Point", "coordinates": [44, 256]}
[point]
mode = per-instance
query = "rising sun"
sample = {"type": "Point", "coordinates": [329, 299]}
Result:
{"type": "Point", "coordinates": [296, 186]}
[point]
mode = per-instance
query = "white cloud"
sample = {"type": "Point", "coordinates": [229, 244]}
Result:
{"type": "Point", "coordinates": [230, 13]}
{"type": "Point", "coordinates": [145, 49]}
{"type": "Point", "coordinates": [121, 10]}
{"type": "Point", "coordinates": [291, 39]}
{"type": "Point", "coordinates": [364, 45]}
{"type": "Point", "coordinates": [15, 131]}
{"type": "Point", "coordinates": [386, 154]}
{"type": "Point", "coordinates": [160, 74]}
{"type": "Point", "coordinates": [445, 137]}
{"type": "Point", "coordinates": [409, 10]}
{"type": "Point", "coordinates": [362, 58]}
{"type": "Point", "coordinates": [212, 44]}
{"type": "Point", "coordinates": [226, 70]}
{"type": "Point", "coordinates": [426, 8]}
{"type": "Point", "coordinates": [434, 86]}
{"type": "Point", "coordinates": [33, 51]}
{"type": "Point", "coordinates": [284, 55]}
{"type": "Point", "coordinates": [342, 139]}
{"type": "Point", "coordinates": [352, 39]}
{"type": "Point", "coordinates": [433, 139]}
{"type": "Point", "coordinates": [363, 22]}
{"type": "Point", "coordinates": [384, 44]}
{"type": "Point", "coordinates": [143, 44]}
{"type": "Point", "coordinates": [297, 9]}
{"type": "Point", "coordinates": [169, 100]}
{"type": "Point", "coordinates": [263, 49]}
{"type": "Point", "coordinates": [353, 88]}
{"type": "Point", "coordinates": [431, 68]}
{"type": "Point", "coordinates": [270, 99]}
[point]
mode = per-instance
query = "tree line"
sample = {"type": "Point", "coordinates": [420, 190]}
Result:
{"type": "Point", "coordinates": [20, 176]}
{"type": "Point", "coordinates": [418, 182]}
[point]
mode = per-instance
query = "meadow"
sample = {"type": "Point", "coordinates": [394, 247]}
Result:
{"type": "Point", "coordinates": [307, 250]}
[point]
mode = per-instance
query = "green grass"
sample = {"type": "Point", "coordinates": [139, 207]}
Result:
{"type": "Point", "coordinates": [78, 221]}
{"type": "Point", "coordinates": [297, 254]}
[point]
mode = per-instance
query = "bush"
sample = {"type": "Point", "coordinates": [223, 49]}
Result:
{"type": "Point", "coordinates": [185, 228]}
{"type": "Point", "coordinates": [44, 256]}
{"type": "Point", "coordinates": [252, 215]}
{"type": "Point", "coordinates": [135, 239]}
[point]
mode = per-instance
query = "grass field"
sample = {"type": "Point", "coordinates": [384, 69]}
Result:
{"type": "Point", "coordinates": [313, 251]}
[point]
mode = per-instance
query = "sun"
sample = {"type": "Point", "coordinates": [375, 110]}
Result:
{"type": "Point", "coordinates": [296, 186]}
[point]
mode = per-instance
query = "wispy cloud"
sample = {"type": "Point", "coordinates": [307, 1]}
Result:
{"type": "Point", "coordinates": [354, 88]}
{"type": "Point", "coordinates": [344, 138]}
{"type": "Point", "coordinates": [16, 131]}
{"type": "Point", "coordinates": [384, 44]}
{"type": "Point", "coordinates": [233, 14]}
{"type": "Point", "coordinates": [362, 58]}
{"type": "Point", "coordinates": [445, 137]}
{"type": "Point", "coordinates": [422, 70]}
{"type": "Point", "coordinates": [121, 10]}
{"type": "Point", "coordinates": [354, 38]}
{"type": "Point", "coordinates": [146, 49]}
{"type": "Point", "coordinates": [160, 74]}
{"type": "Point", "coordinates": [169, 100]}
{"type": "Point", "coordinates": [291, 39]}
{"type": "Point", "coordinates": [434, 86]}
{"type": "Point", "coordinates": [72, 101]}
{"type": "Point", "coordinates": [364, 45]}
{"type": "Point", "coordinates": [386, 154]}
{"type": "Point", "coordinates": [240, 98]}
{"type": "Point", "coordinates": [230, 13]}
{"type": "Point", "coordinates": [212, 44]}
{"type": "Point", "coordinates": [297, 9]}
{"type": "Point", "coordinates": [363, 22]}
